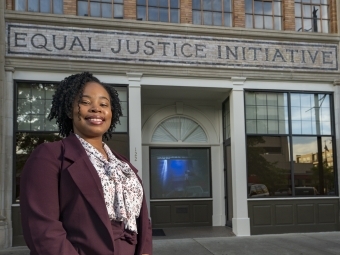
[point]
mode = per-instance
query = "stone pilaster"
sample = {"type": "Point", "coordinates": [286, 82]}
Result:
{"type": "Point", "coordinates": [135, 120]}
{"type": "Point", "coordinates": [240, 221]}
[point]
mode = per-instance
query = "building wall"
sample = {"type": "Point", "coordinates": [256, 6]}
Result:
{"type": "Point", "coordinates": [174, 75]}
{"type": "Point", "coordinates": [70, 8]}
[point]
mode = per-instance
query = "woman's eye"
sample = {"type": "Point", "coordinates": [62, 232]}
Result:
{"type": "Point", "coordinates": [104, 105]}
{"type": "Point", "coordinates": [85, 102]}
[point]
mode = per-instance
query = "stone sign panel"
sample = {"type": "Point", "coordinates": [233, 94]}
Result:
{"type": "Point", "coordinates": [39, 41]}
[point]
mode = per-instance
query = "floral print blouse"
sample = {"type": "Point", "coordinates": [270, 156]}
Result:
{"type": "Point", "coordinates": [123, 193]}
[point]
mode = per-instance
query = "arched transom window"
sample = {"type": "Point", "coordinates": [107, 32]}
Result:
{"type": "Point", "coordinates": [179, 129]}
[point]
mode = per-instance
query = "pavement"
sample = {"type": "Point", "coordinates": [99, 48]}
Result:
{"type": "Point", "coordinates": [225, 243]}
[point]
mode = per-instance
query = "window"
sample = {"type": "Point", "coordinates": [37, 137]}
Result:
{"type": "Point", "coordinates": [264, 14]}
{"type": "Point", "coordinates": [45, 6]}
{"type": "Point", "coordinates": [179, 129]}
{"type": "Point", "coordinates": [312, 16]}
{"type": "Point", "coordinates": [290, 143]}
{"type": "Point", "coordinates": [180, 173]}
{"type": "Point", "coordinates": [212, 12]}
{"type": "Point", "coordinates": [158, 10]}
{"type": "Point", "coordinates": [101, 8]}
{"type": "Point", "coordinates": [33, 103]}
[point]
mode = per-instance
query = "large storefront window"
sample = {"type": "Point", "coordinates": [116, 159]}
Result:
{"type": "Point", "coordinates": [290, 144]}
{"type": "Point", "coordinates": [33, 103]}
{"type": "Point", "coordinates": [180, 173]}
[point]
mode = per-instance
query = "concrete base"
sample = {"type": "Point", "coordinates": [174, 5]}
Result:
{"type": "Point", "coordinates": [4, 236]}
{"type": "Point", "coordinates": [241, 226]}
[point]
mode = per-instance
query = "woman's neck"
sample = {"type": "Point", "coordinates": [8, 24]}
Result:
{"type": "Point", "coordinates": [97, 143]}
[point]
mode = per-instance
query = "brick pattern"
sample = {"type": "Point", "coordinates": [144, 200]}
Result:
{"type": "Point", "coordinates": [130, 9]}
{"type": "Point", "coordinates": [239, 19]}
{"type": "Point", "coordinates": [70, 7]}
{"type": "Point", "coordinates": [288, 15]}
{"type": "Point", "coordinates": [186, 11]}
{"type": "Point", "coordinates": [9, 5]}
{"type": "Point", "coordinates": [333, 16]}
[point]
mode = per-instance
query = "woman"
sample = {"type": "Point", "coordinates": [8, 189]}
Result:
{"type": "Point", "coordinates": [78, 196]}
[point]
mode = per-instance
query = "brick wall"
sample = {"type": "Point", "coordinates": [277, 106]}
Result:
{"type": "Point", "coordinates": [186, 11]}
{"type": "Point", "coordinates": [70, 7]}
{"type": "Point", "coordinates": [333, 16]}
{"type": "Point", "coordinates": [130, 9]}
{"type": "Point", "coordinates": [9, 5]}
{"type": "Point", "coordinates": [239, 15]}
{"type": "Point", "coordinates": [288, 15]}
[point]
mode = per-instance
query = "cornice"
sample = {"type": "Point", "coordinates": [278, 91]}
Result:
{"type": "Point", "coordinates": [160, 27]}
{"type": "Point", "coordinates": [56, 65]}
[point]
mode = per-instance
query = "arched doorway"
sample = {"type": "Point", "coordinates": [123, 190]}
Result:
{"type": "Point", "coordinates": [180, 176]}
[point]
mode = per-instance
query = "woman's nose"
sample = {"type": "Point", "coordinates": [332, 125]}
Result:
{"type": "Point", "coordinates": [95, 109]}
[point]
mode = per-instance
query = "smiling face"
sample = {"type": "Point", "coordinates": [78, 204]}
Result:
{"type": "Point", "coordinates": [92, 115]}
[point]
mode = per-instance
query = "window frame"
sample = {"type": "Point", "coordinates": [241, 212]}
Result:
{"type": "Point", "coordinates": [273, 15]}
{"type": "Point", "coordinates": [168, 8]}
{"type": "Point", "coordinates": [304, 18]}
{"type": "Point", "coordinates": [100, 2]}
{"type": "Point", "coordinates": [290, 135]}
{"type": "Point", "coordinates": [222, 12]}
{"type": "Point", "coordinates": [52, 11]}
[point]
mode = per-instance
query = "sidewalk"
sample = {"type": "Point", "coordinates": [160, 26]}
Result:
{"type": "Point", "coordinates": [283, 244]}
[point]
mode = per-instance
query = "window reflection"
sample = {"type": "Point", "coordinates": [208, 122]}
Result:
{"type": "Point", "coordinates": [43, 6]}
{"type": "Point", "coordinates": [313, 166]}
{"type": "Point", "coordinates": [104, 8]}
{"type": "Point", "coordinates": [212, 12]}
{"type": "Point", "coordinates": [314, 15]}
{"type": "Point", "coordinates": [310, 114]}
{"type": "Point", "coordinates": [268, 166]}
{"type": "Point", "coordinates": [304, 149]}
{"type": "Point", "coordinates": [158, 10]}
{"type": "Point", "coordinates": [266, 113]}
{"type": "Point", "coordinates": [263, 14]}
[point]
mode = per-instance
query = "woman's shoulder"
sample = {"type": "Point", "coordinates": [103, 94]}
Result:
{"type": "Point", "coordinates": [48, 149]}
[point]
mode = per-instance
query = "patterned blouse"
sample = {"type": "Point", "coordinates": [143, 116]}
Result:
{"type": "Point", "coordinates": [123, 193]}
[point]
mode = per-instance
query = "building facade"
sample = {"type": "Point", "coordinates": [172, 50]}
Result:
{"type": "Point", "coordinates": [230, 108]}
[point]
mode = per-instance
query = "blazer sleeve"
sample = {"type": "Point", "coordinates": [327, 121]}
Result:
{"type": "Point", "coordinates": [39, 201]}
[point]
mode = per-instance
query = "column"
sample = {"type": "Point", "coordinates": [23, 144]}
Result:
{"type": "Point", "coordinates": [6, 165]}
{"type": "Point", "coordinates": [240, 221]}
{"type": "Point", "coordinates": [135, 120]}
{"type": "Point", "coordinates": [3, 220]}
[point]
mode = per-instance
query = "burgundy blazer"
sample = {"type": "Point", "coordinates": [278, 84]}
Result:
{"type": "Point", "coordinates": [63, 210]}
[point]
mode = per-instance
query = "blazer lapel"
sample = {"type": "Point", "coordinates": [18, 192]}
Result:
{"type": "Point", "coordinates": [86, 178]}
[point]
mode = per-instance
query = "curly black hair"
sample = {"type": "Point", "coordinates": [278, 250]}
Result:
{"type": "Point", "coordinates": [70, 89]}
